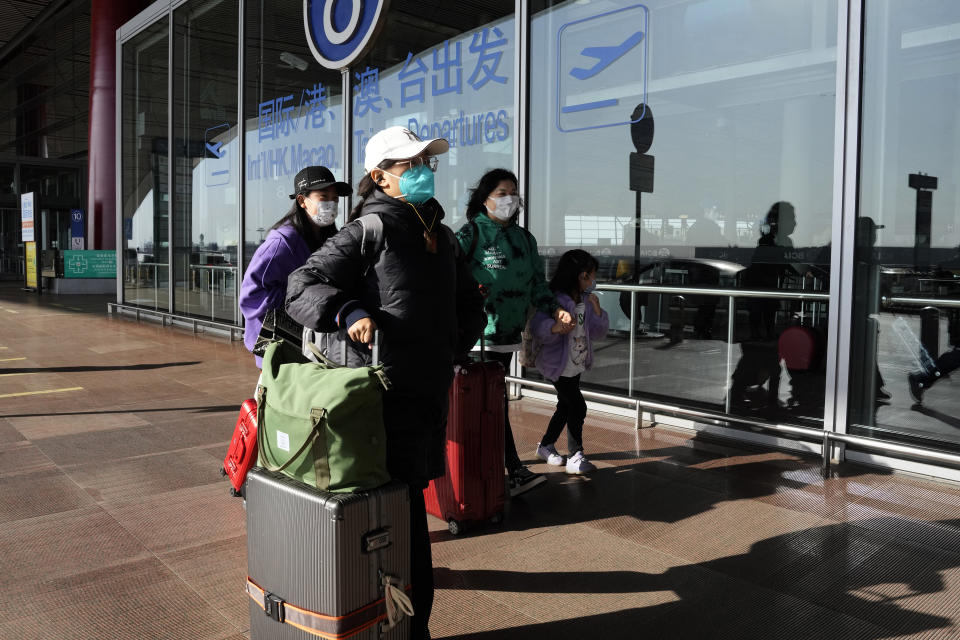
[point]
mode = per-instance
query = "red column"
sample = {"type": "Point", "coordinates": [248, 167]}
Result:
{"type": "Point", "coordinates": [106, 16]}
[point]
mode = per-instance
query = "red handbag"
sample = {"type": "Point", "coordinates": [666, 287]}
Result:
{"type": "Point", "coordinates": [242, 452]}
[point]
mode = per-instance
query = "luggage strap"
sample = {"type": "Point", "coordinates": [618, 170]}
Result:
{"type": "Point", "coordinates": [390, 610]}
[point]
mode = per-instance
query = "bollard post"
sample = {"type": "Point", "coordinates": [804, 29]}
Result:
{"type": "Point", "coordinates": [929, 336]}
{"type": "Point", "coordinates": [676, 319]}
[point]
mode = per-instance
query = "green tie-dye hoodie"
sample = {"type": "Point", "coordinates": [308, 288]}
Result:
{"type": "Point", "coordinates": [507, 263]}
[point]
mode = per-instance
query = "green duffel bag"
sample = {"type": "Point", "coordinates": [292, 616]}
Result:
{"type": "Point", "coordinates": [322, 424]}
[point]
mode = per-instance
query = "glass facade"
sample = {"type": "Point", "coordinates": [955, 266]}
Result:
{"type": "Point", "coordinates": [724, 181]}
{"type": "Point", "coordinates": [906, 324]}
{"type": "Point", "coordinates": [699, 149]}
{"type": "Point", "coordinates": [293, 114]}
{"type": "Point", "coordinates": [144, 200]}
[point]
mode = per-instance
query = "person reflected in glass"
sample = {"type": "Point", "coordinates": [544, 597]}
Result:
{"type": "Point", "coordinates": [417, 291]}
{"type": "Point", "coordinates": [949, 361]}
{"type": "Point", "coordinates": [865, 336]}
{"type": "Point", "coordinates": [759, 364]}
{"type": "Point", "coordinates": [301, 231]}
{"type": "Point", "coordinates": [505, 261]}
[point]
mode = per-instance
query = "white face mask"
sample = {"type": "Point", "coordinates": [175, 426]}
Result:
{"type": "Point", "coordinates": [326, 212]}
{"type": "Point", "coordinates": [506, 207]}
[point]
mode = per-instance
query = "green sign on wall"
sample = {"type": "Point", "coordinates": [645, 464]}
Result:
{"type": "Point", "coordinates": [90, 264]}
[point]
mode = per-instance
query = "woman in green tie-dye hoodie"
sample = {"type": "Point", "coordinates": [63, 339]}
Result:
{"type": "Point", "coordinates": [505, 262]}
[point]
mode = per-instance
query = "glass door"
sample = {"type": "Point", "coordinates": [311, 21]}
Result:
{"type": "Point", "coordinates": [206, 208]}
{"type": "Point", "coordinates": [145, 199]}
{"type": "Point", "coordinates": [906, 324]}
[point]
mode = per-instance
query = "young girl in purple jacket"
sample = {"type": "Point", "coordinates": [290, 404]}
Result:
{"type": "Point", "coordinates": [567, 351]}
{"type": "Point", "coordinates": [306, 226]}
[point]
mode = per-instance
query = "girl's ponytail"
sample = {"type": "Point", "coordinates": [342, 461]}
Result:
{"type": "Point", "coordinates": [365, 188]}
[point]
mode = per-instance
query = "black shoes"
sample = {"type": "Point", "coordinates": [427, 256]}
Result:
{"type": "Point", "coordinates": [916, 387]}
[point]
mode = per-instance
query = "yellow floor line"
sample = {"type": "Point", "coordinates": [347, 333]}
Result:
{"type": "Point", "coordinates": [25, 373]}
{"type": "Point", "coordinates": [36, 393]}
{"type": "Point", "coordinates": [11, 311]}
{"type": "Point", "coordinates": [11, 359]}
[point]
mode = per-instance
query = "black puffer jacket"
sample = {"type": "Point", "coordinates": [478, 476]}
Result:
{"type": "Point", "coordinates": [427, 307]}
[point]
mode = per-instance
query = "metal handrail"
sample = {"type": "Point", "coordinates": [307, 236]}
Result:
{"type": "Point", "coordinates": [779, 294]}
{"type": "Point", "coordinates": [640, 404]}
{"type": "Point", "coordinates": [226, 270]}
{"type": "Point", "coordinates": [933, 455]}
{"type": "Point", "coordinates": [213, 266]}
{"type": "Point", "coordinates": [922, 302]}
{"type": "Point", "coordinates": [176, 319]}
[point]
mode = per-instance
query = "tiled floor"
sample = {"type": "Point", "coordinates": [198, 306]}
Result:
{"type": "Point", "coordinates": [114, 522]}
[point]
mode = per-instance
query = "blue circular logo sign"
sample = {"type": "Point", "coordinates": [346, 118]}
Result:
{"type": "Point", "coordinates": [340, 31]}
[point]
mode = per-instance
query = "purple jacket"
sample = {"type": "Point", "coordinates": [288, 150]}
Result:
{"type": "Point", "coordinates": [555, 347]}
{"type": "Point", "coordinates": [264, 284]}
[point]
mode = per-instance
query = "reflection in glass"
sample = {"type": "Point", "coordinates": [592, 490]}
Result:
{"type": "Point", "coordinates": [145, 199]}
{"type": "Point", "coordinates": [293, 114]}
{"type": "Point", "coordinates": [446, 75]}
{"type": "Point", "coordinates": [206, 224]}
{"type": "Point", "coordinates": [732, 189]}
{"type": "Point", "coordinates": [906, 315]}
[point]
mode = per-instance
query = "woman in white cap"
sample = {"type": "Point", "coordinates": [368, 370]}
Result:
{"type": "Point", "coordinates": [416, 290]}
{"type": "Point", "coordinates": [305, 227]}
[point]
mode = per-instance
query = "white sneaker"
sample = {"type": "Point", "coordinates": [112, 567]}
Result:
{"type": "Point", "coordinates": [549, 455]}
{"type": "Point", "coordinates": [577, 464]}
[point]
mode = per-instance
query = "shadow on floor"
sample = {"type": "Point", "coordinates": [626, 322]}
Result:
{"type": "Point", "coordinates": [841, 568]}
{"type": "Point", "coordinates": [210, 409]}
{"type": "Point", "coordinates": [953, 421]}
{"type": "Point", "coordinates": [84, 368]}
{"type": "Point", "coordinates": [673, 483]}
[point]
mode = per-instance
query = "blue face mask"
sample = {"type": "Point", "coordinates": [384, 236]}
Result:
{"type": "Point", "coordinates": [416, 184]}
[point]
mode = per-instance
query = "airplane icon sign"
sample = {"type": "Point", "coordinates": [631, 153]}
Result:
{"type": "Point", "coordinates": [216, 149]}
{"type": "Point", "coordinates": [605, 56]}
{"type": "Point", "coordinates": [217, 162]}
{"type": "Point", "coordinates": [602, 69]}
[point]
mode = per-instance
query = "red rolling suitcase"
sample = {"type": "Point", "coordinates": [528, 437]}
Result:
{"type": "Point", "coordinates": [242, 453]}
{"type": "Point", "coordinates": [472, 489]}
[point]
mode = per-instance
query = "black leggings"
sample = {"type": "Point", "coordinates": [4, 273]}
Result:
{"type": "Point", "coordinates": [511, 458]}
{"type": "Point", "coordinates": [571, 411]}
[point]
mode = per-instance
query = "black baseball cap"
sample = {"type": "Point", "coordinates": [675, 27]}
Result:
{"type": "Point", "coordinates": [317, 178]}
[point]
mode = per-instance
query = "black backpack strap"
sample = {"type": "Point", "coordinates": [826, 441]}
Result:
{"type": "Point", "coordinates": [372, 241]}
{"type": "Point", "coordinates": [474, 239]}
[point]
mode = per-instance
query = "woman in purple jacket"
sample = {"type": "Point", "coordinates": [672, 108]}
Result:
{"type": "Point", "coordinates": [307, 225]}
{"type": "Point", "coordinates": [567, 351]}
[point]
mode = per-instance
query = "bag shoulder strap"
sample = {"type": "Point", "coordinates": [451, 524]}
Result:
{"type": "Point", "coordinates": [372, 241]}
{"type": "Point", "coordinates": [474, 239]}
{"type": "Point", "coordinates": [452, 240]}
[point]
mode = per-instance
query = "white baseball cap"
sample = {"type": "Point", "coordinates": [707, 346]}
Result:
{"type": "Point", "coordinates": [399, 143]}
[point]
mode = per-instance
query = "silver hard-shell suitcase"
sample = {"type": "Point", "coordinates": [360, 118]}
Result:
{"type": "Point", "coordinates": [319, 561]}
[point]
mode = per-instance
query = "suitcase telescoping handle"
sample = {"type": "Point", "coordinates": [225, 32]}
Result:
{"type": "Point", "coordinates": [375, 355]}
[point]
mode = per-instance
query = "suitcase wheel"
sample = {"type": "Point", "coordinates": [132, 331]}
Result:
{"type": "Point", "coordinates": [497, 518]}
{"type": "Point", "coordinates": [223, 472]}
{"type": "Point", "coordinates": [456, 528]}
